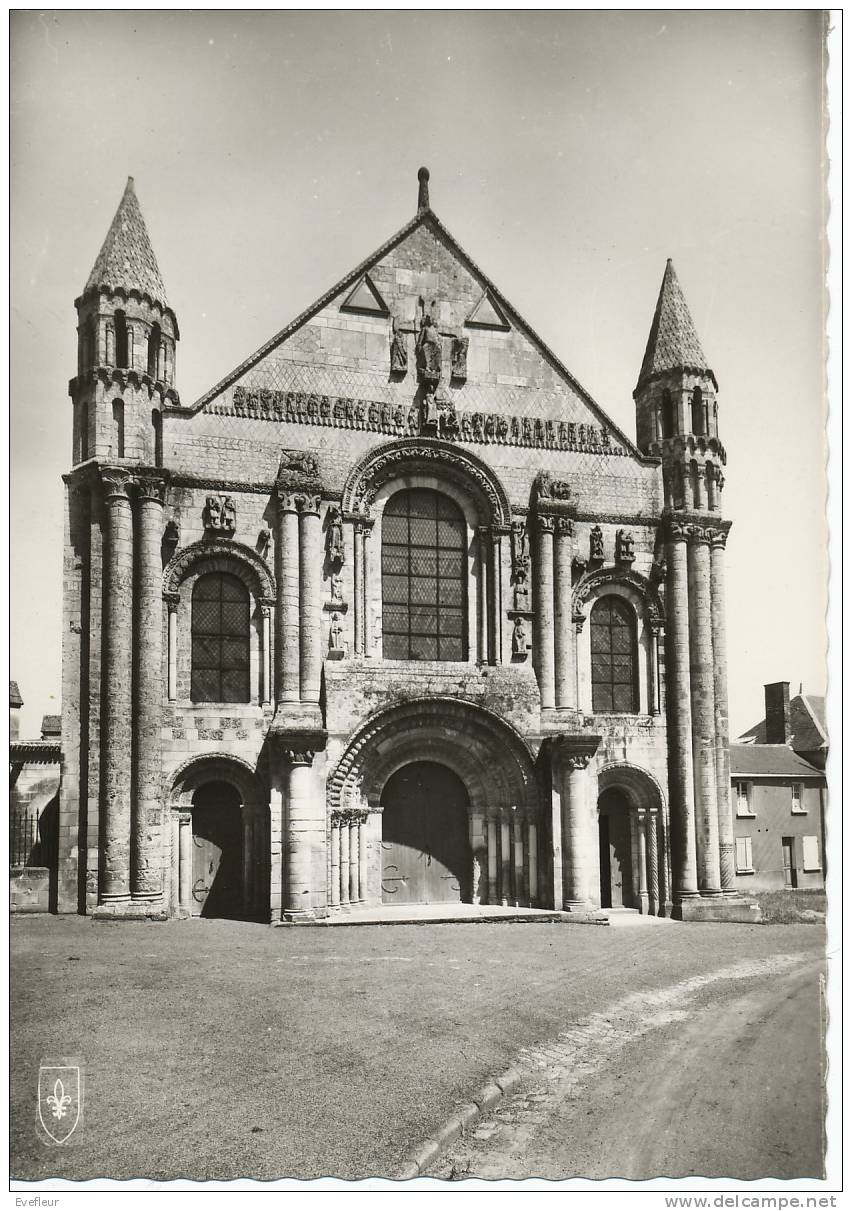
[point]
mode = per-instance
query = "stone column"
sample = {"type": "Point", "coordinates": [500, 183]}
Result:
{"type": "Point", "coordinates": [654, 689]}
{"type": "Point", "coordinates": [491, 827]}
{"type": "Point", "coordinates": [580, 847]}
{"type": "Point", "coordinates": [496, 596]}
{"type": "Point", "coordinates": [334, 872]}
{"type": "Point", "coordinates": [354, 859]}
{"type": "Point", "coordinates": [700, 487]}
{"type": "Point", "coordinates": [505, 861]}
{"type": "Point", "coordinates": [479, 864]}
{"type": "Point", "coordinates": [702, 678]}
{"type": "Point", "coordinates": [172, 604]}
{"type": "Point", "coordinates": [565, 648]}
{"type": "Point", "coordinates": [117, 707]}
{"type": "Point", "coordinates": [521, 896]}
{"type": "Point", "coordinates": [304, 822]}
{"type": "Point", "coordinates": [146, 843]}
{"type": "Point", "coordinates": [358, 620]}
{"type": "Point", "coordinates": [543, 641]}
{"type": "Point", "coordinates": [362, 859]}
{"type": "Point", "coordinates": [310, 588]}
{"type": "Point", "coordinates": [287, 608]}
{"type": "Point", "coordinates": [266, 662]}
{"type": "Point", "coordinates": [641, 826]}
{"type": "Point", "coordinates": [727, 869]}
{"type": "Point", "coordinates": [679, 715]}
{"type": "Point", "coordinates": [532, 860]}
{"type": "Point", "coordinates": [653, 871]}
{"type": "Point", "coordinates": [344, 861]}
{"type": "Point", "coordinates": [174, 889]}
{"type": "Point", "coordinates": [482, 544]}
{"type": "Point", "coordinates": [185, 862]}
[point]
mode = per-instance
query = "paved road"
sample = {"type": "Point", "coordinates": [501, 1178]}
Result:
{"type": "Point", "coordinates": [720, 1078]}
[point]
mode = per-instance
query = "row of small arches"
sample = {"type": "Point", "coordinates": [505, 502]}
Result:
{"type": "Point", "coordinates": [119, 347]}
{"type": "Point", "coordinates": [700, 415]}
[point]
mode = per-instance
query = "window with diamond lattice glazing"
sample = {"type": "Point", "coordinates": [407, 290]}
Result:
{"type": "Point", "coordinates": [220, 639]}
{"type": "Point", "coordinates": [424, 577]}
{"type": "Point", "coordinates": [614, 664]}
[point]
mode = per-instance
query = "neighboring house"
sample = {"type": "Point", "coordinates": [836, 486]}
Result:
{"type": "Point", "coordinates": [779, 797]}
{"type": "Point", "coordinates": [33, 811]}
{"type": "Point", "coordinates": [382, 617]}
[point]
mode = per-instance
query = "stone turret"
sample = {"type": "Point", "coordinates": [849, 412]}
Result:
{"type": "Point", "coordinates": [676, 409]}
{"type": "Point", "coordinates": [127, 337]}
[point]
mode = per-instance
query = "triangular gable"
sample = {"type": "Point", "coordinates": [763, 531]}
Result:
{"type": "Point", "coordinates": [487, 314]}
{"type": "Point", "coordinates": [428, 219]}
{"type": "Point", "coordinates": [365, 299]}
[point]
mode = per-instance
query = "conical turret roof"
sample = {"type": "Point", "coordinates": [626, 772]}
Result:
{"type": "Point", "coordinates": [673, 343]}
{"type": "Point", "coordinates": [127, 260]}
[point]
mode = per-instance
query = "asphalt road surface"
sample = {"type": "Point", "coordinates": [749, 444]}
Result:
{"type": "Point", "coordinates": [715, 1076]}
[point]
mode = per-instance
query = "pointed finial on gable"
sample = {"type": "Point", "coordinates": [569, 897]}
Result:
{"type": "Point", "coordinates": [423, 190]}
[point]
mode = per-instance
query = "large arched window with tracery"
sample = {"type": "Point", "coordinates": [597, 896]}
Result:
{"type": "Point", "coordinates": [424, 577]}
{"type": "Point", "coordinates": [221, 615]}
{"type": "Point", "coordinates": [615, 685]}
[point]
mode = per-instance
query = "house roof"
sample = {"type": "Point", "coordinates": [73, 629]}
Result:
{"type": "Point", "coordinates": [807, 725]}
{"type": "Point", "coordinates": [126, 260]}
{"type": "Point", "coordinates": [15, 698]}
{"type": "Point", "coordinates": [51, 725]}
{"type": "Point", "coordinates": [43, 752]}
{"type": "Point", "coordinates": [425, 217]}
{"type": "Point", "coordinates": [673, 342]}
{"type": "Point", "coordinates": [770, 761]}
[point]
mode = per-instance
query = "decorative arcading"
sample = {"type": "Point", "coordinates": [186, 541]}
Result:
{"type": "Point", "coordinates": [123, 378]}
{"type": "Point", "coordinates": [181, 564]}
{"type": "Point", "coordinates": [389, 460]}
{"type": "Point", "coordinates": [600, 577]}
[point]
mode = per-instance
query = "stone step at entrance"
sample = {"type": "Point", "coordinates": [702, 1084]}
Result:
{"type": "Point", "coordinates": [446, 914]}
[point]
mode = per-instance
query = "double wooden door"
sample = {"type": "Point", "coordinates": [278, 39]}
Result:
{"type": "Point", "coordinates": [426, 854]}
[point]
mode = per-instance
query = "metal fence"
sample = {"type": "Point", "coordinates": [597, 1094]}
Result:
{"type": "Point", "coordinates": [24, 841]}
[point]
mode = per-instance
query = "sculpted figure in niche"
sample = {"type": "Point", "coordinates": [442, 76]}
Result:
{"type": "Point", "coordinates": [398, 350]}
{"type": "Point", "coordinates": [596, 543]}
{"type": "Point", "coordinates": [519, 638]}
{"type": "Point", "coordinates": [448, 423]}
{"type": "Point", "coordinates": [626, 551]}
{"type": "Point", "coordinates": [171, 534]}
{"type": "Point", "coordinates": [264, 540]}
{"type": "Point", "coordinates": [337, 587]}
{"type": "Point", "coordinates": [429, 412]}
{"type": "Point", "coordinates": [459, 357]}
{"type": "Point", "coordinates": [428, 354]}
{"type": "Point", "coordinates": [334, 537]}
{"type": "Point", "coordinates": [522, 593]}
{"type": "Point", "coordinates": [336, 634]}
{"type": "Point", "coordinates": [229, 515]}
{"type": "Point", "coordinates": [520, 547]}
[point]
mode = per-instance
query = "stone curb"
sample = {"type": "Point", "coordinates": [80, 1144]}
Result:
{"type": "Point", "coordinates": [489, 1096]}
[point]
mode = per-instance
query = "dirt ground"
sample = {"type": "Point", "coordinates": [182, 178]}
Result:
{"type": "Point", "coordinates": [218, 1049]}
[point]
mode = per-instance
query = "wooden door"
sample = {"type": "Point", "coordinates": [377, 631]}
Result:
{"type": "Point", "coordinates": [425, 844]}
{"type": "Point", "coordinates": [217, 885]}
{"type": "Point", "coordinates": [787, 844]}
{"type": "Point", "coordinates": [616, 851]}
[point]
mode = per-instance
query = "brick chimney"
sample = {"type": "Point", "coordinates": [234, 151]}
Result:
{"type": "Point", "coordinates": [777, 699]}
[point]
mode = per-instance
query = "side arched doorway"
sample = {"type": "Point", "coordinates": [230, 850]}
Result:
{"type": "Point", "coordinates": [220, 841]}
{"type": "Point", "coordinates": [217, 852]}
{"type": "Point", "coordinates": [426, 851]}
{"type": "Point", "coordinates": [633, 838]}
{"type": "Point", "coordinates": [616, 847]}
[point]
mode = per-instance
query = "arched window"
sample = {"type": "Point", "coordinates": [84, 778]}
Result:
{"type": "Point", "coordinates": [157, 425]}
{"type": "Point", "coordinates": [424, 577]}
{"type": "Point", "coordinates": [220, 639]}
{"type": "Point", "coordinates": [668, 415]}
{"type": "Point", "coordinates": [121, 342]}
{"type": "Point", "coordinates": [117, 429]}
{"type": "Point", "coordinates": [699, 414]}
{"type": "Point", "coordinates": [154, 352]}
{"type": "Point", "coordinates": [613, 636]}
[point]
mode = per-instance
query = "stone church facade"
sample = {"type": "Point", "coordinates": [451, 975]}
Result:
{"type": "Point", "coordinates": [393, 614]}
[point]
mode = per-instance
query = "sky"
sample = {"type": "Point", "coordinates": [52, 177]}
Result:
{"type": "Point", "coordinates": [570, 153]}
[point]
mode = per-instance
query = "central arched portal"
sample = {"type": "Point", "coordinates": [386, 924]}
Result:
{"type": "Point", "coordinates": [426, 851]}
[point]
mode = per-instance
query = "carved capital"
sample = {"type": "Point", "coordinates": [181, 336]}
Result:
{"type": "Point", "coordinates": [184, 818]}
{"type": "Point", "coordinates": [575, 752]}
{"type": "Point", "coordinates": [718, 539]}
{"type": "Point", "coordinates": [676, 530]}
{"type": "Point", "coordinates": [298, 747]}
{"type": "Point", "coordinates": [172, 601]}
{"type": "Point", "coordinates": [564, 525]}
{"type": "Point", "coordinates": [152, 488]}
{"type": "Point", "coordinates": [699, 536]}
{"type": "Point", "coordinates": [545, 522]}
{"type": "Point", "coordinates": [116, 483]}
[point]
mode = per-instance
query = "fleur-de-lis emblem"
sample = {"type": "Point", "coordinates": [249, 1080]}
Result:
{"type": "Point", "coordinates": [58, 1101]}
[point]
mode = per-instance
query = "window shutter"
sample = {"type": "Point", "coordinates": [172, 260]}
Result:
{"type": "Point", "coordinates": [810, 853]}
{"type": "Point", "coordinates": [743, 853]}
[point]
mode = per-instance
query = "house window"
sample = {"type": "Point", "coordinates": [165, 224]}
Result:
{"type": "Point", "coordinates": [220, 639]}
{"type": "Point", "coordinates": [810, 853]}
{"type": "Point", "coordinates": [424, 577]}
{"type": "Point", "coordinates": [797, 805]}
{"type": "Point", "coordinates": [744, 863]}
{"type": "Point", "coordinates": [614, 666]}
{"type": "Point", "coordinates": [743, 793]}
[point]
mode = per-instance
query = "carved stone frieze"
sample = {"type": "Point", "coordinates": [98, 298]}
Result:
{"type": "Point", "coordinates": [220, 515]}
